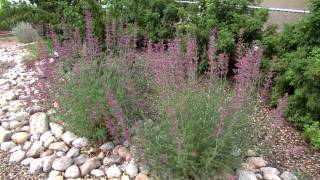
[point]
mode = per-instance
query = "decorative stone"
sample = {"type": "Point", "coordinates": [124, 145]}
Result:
{"type": "Point", "coordinates": [59, 146]}
{"type": "Point", "coordinates": [247, 175]}
{"type": "Point", "coordinates": [17, 124]}
{"type": "Point", "coordinates": [97, 172]}
{"type": "Point", "coordinates": [107, 147]}
{"type": "Point", "coordinates": [6, 146]}
{"type": "Point", "coordinates": [35, 109]}
{"type": "Point", "coordinates": [113, 172]}
{"type": "Point", "coordinates": [72, 172]}
{"type": "Point", "coordinates": [17, 148]}
{"type": "Point", "coordinates": [101, 155]}
{"type": "Point", "coordinates": [132, 170]}
{"type": "Point", "coordinates": [35, 137]}
{"type": "Point", "coordinates": [73, 152]}
{"type": "Point", "coordinates": [288, 176]}
{"type": "Point", "coordinates": [35, 149]}
{"type": "Point", "coordinates": [17, 156]}
{"type": "Point", "coordinates": [27, 145]}
{"type": "Point", "coordinates": [80, 142]}
{"type": "Point", "coordinates": [20, 116]}
{"type": "Point", "coordinates": [141, 176]}
{"type": "Point", "coordinates": [56, 129]}
{"type": "Point", "coordinates": [257, 162]}
{"type": "Point", "coordinates": [68, 137]}
{"type": "Point", "coordinates": [4, 135]}
{"type": "Point", "coordinates": [61, 164]}
{"type": "Point", "coordinates": [125, 177]}
{"type": "Point", "coordinates": [60, 154]}
{"type": "Point", "coordinates": [48, 152]}
{"type": "Point", "coordinates": [89, 165]}
{"type": "Point", "coordinates": [82, 159]}
{"type": "Point", "coordinates": [53, 174]}
{"type": "Point", "coordinates": [123, 152]}
{"type": "Point", "coordinates": [111, 160]}
{"type": "Point", "coordinates": [47, 162]}
{"type": "Point", "coordinates": [271, 177]}
{"type": "Point", "coordinates": [270, 170]}
{"type": "Point", "coordinates": [47, 138]}
{"type": "Point", "coordinates": [35, 166]}
{"type": "Point", "coordinates": [20, 137]}
{"type": "Point", "coordinates": [38, 123]}
{"type": "Point", "coordinates": [27, 161]}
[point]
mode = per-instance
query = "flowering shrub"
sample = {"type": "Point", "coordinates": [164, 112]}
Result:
{"type": "Point", "coordinates": [96, 91]}
{"type": "Point", "coordinates": [203, 129]}
{"type": "Point", "coordinates": [25, 32]}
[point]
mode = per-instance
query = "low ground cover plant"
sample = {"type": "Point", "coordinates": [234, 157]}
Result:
{"type": "Point", "coordinates": [25, 33]}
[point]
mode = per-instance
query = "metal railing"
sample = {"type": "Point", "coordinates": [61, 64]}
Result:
{"type": "Point", "coordinates": [260, 7]}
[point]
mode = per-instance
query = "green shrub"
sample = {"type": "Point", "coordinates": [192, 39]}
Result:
{"type": "Point", "coordinates": [298, 73]}
{"type": "Point", "coordinates": [25, 32]}
{"type": "Point", "coordinates": [312, 133]}
{"type": "Point", "coordinates": [84, 96]}
{"type": "Point", "coordinates": [192, 149]}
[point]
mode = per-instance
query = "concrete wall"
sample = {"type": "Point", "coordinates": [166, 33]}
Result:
{"type": "Point", "coordinates": [281, 18]}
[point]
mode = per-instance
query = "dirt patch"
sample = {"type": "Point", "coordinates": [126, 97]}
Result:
{"type": "Point", "coordinates": [7, 39]}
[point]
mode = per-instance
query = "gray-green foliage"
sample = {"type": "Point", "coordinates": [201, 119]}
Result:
{"type": "Point", "coordinates": [189, 140]}
{"type": "Point", "coordinates": [24, 32]}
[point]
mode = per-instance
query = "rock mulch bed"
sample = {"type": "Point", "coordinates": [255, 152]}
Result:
{"type": "Point", "coordinates": [34, 148]}
{"type": "Point", "coordinates": [289, 151]}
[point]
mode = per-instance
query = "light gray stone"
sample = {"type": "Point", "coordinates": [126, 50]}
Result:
{"type": "Point", "coordinates": [38, 123]}
{"type": "Point", "coordinates": [47, 162]}
{"type": "Point", "coordinates": [80, 142]}
{"type": "Point", "coordinates": [132, 170]}
{"type": "Point", "coordinates": [107, 146]}
{"type": "Point", "coordinates": [53, 174]}
{"type": "Point", "coordinates": [47, 138]}
{"type": "Point", "coordinates": [270, 170]}
{"type": "Point", "coordinates": [27, 161]}
{"type": "Point", "coordinates": [6, 146]}
{"type": "Point", "coordinates": [68, 137]}
{"type": "Point", "coordinates": [35, 149]}
{"type": "Point", "coordinates": [73, 152]}
{"type": "Point", "coordinates": [59, 146]}
{"type": "Point", "coordinates": [35, 137]}
{"type": "Point", "coordinates": [17, 148]}
{"type": "Point", "coordinates": [271, 177]}
{"type": "Point", "coordinates": [35, 166]}
{"type": "Point", "coordinates": [20, 116]}
{"type": "Point", "coordinates": [247, 175]}
{"type": "Point", "coordinates": [113, 172]}
{"type": "Point", "coordinates": [17, 156]}
{"type": "Point", "coordinates": [82, 158]}
{"type": "Point", "coordinates": [56, 129]}
{"type": "Point", "coordinates": [72, 172]}
{"type": "Point", "coordinates": [97, 172]}
{"type": "Point", "coordinates": [5, 135]}
{"type": "Point", "coordinates": [60, 154]}
{"type": "Point", "coordinates": [288, 176]}
{"type": "Point", "coordinates": [61, 164]}
{"type": "Point", "coordinates": [27, 145]}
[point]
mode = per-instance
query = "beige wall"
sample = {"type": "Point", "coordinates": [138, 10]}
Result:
{"type": "Point", "coordinates": [281, 18]}
{"type": "Point", "coordinates": [288, 4]}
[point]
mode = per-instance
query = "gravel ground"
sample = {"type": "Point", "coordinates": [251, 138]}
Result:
{"type": "Point", "coordinates": [16, 172]}
{"type": "Point", "coordinates": [288, 150]}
